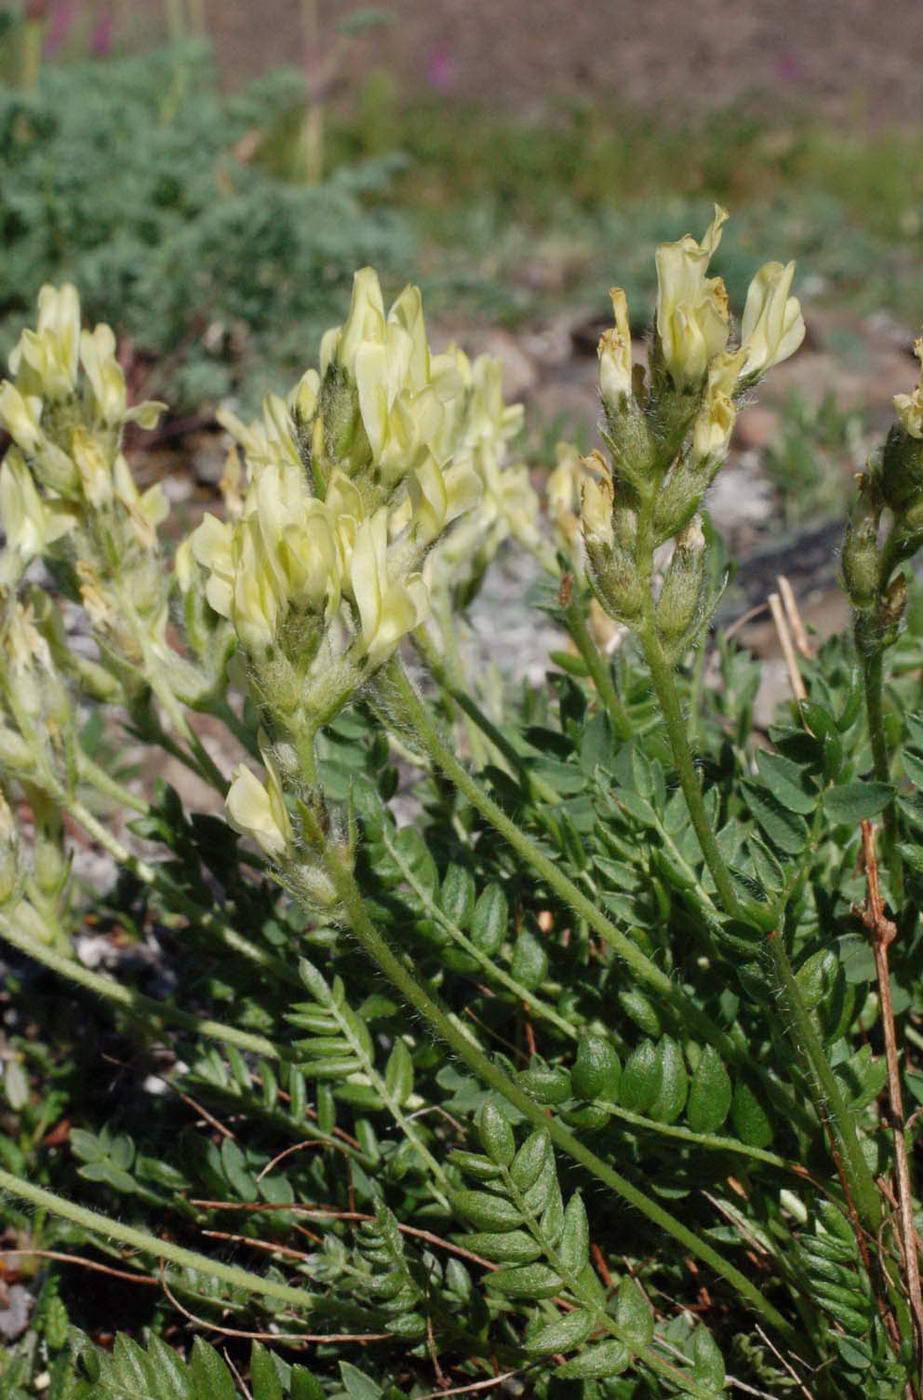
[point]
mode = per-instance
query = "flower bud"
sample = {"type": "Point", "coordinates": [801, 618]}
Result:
{"type": "Point", "coordinates": [105, 374]}
{"type": "Point", "coordinates": [614, 350]}
{"type": "Point", "coordinates": [909, 407]}
{"type": "Point", "coordinates": [714, 422]}
{"type": "Point", "coordinates": [679, 605]}
{"type": "Point", "coordinates": [861, 562]}
{"type": "Point", "coordinates": [596, 511]}
{"type": "Point", "coordinates": [900, 475]}
{"type": "Point", "coordinates": [894, 602]}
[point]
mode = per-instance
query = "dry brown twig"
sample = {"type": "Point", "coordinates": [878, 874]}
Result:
{"type": "Point", "coordinates": [883, 932]}
{"type": "Point", "coordinates": [788, 647]}
{"type": "Point", "coordinates": [794, 617]}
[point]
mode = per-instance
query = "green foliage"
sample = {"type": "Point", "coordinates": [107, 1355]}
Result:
{"type": "Point", "coordinates": [127, 177]}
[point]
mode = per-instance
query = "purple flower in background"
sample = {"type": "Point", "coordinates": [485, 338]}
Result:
{"type": "Point", "coordinates": [441, 70]}
{"type": "Point", "coordinates": [789, 68]}
{"type": "Point", "coordinates": [59, 22]}
{"type": "Point", "coordinates": [101, 38]}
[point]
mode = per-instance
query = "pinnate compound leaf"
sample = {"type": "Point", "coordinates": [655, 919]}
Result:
{"type": "Point", "coordinates": [490, 920]}
{"type": "Point", "coordinates": [265, 1382]}
{"type": "Point", "coordinates": [399, 1073]}
{"type": "Point", "coordinates": [597, 1070]}
{"type": "Point", "coordinates": [674, 1082]}
{"type": "Point", "coordinates": [707, 1361]}
{"type": "Point", "coordinates": [530, 1158]}
{"type": "Point", "coordinates": [641, 1077]}
{"type": "Point", "coordinates": [496, 1134]}
{"type": "Point", "coordinates": [358, 1385]}
{"type": "Point", "coordinates": [511, 1247]}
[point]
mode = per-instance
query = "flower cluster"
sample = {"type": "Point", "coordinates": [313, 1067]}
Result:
{"type": "Point", "coordinates": [66, 490]}
{"type": "Point", "coordinates": [668, 430]}
{"type": "Point", "coordinates": [351, 486]}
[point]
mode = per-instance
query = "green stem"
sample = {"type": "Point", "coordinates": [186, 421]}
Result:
{"type": "Point", "coordinates": [136, 1003]}
{"type": "Point", "coordinates": [161, 1249]}
{"type": "Point", "coordinates": [599, 669]}
{"type": "Point", "coordinates": [108, 786]}
{"type": "Point", "coordinates": [827, 1094]}
{"type": "Point", "coordinates": [828, 1098]}
{"type": "Point", "coordinates": [451, 675]}
{"type": "Point", "coordinates": [871, 661]}
{"type": "Point", "coordinates": [665, 690]}
{"type": "Point", "coordinates": [709, 1140]}
{"type": "Point", "coordinates": [442, 1024]}
{"type": "Point", "coordinates": [419, 719]}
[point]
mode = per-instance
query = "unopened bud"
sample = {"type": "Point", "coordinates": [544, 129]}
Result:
{"type": "Point", "coordinates": [680, 601]}
{"type": "Point", "coordinates": [901, 471]}
{"type": "Point", "coordinates": [614, 350]}
{"type": "Point", "coordinates": [596, 511]}
{"type": "Point", "coordinates": [860, 561]}
{"type": "Point", "coordinates": [614, 577]}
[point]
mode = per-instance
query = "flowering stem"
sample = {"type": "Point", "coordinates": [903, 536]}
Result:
{"type": "Point", "coordinates": [160, 1249]}
{"type": "Point", "coordinates": [599, 669]}
{"type": "Point", "coordinates": [495, 1078]}
{"type": "Point", "coordinates": [418, 718]}
{"type": "Point", "coordinates": [826, 1093]}
{"type": "Point", "coordinates": [668, 700]}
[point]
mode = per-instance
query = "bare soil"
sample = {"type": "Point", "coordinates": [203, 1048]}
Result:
{"type": "Point", "coordinates": [855, 60]}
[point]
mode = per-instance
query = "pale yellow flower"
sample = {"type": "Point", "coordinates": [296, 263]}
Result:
{"type": "Point", "coordinates": [614, 350]}
{"type": "Point", "coordinates": [772, 327]}
{"type": "Point", "coordinates": [909, 407]}
{"type": "Point", "coordinates": [693, 320]}
{"type": "Point", "coordinates": [714, 423]}
{"type": "Point", "coordinates": [388, 607]}
{"type": "Point", "coordinates": [258, 810]}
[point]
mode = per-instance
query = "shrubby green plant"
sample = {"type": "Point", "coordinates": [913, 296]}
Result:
{"type": "Point", "coordinates": [583, 1074]}
{"type": "Point", "coordinates": [136, 178]}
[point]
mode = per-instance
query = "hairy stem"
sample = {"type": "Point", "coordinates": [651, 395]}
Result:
{"type": "Point", "coordinates": [826, 1092]}
{"type": "Point", "coordinates": [160, 1249]}
{"type": "Point", "coordinates": [599, 669]}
